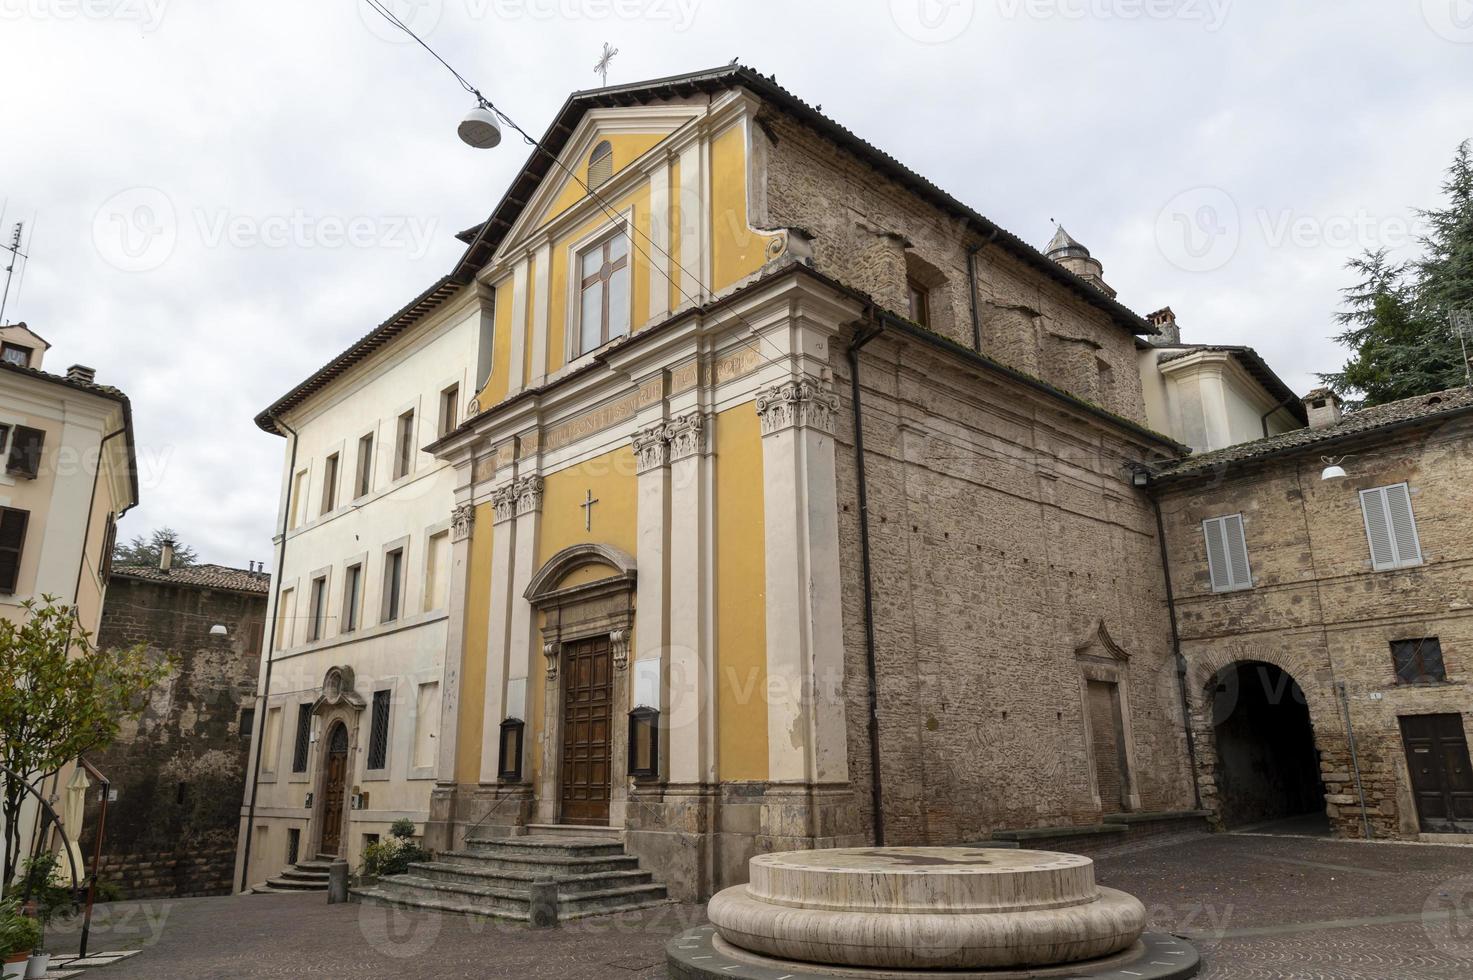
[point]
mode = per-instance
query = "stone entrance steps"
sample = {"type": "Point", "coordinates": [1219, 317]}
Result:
{"type": "Point", "coordinates": [304, 876]}
{"type": "Point", "coordinates": [494, 878]}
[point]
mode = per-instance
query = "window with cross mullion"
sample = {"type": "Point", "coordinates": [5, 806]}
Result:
{"type": "Point", "coordinates": [603, 269]}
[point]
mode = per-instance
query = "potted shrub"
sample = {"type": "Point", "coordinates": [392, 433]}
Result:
{"type": "Point", "coordinates": [19, 934]}
{"type": "Point", "coordinates": [50, 901]}
{"type": "Point", "coordinates": [394, 855]}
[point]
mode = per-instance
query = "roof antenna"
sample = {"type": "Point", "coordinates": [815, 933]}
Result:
{"type": "Point", "coordinates": [14, 249]}
{"type": "Point", "coordinates": [602, 67]}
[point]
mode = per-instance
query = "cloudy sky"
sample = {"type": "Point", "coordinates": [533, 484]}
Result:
{"type": "Point", "coordinates": [222, 196]}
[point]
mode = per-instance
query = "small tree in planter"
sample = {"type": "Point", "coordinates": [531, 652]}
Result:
{"type": "Point", "coordinates": [19, 935]}
{"type": "Point", "coordinates": [394, 855]}
{"type": "Point", "coordinates": [47, 901]}
{"type": "Point", "coordinates": [59, 697]}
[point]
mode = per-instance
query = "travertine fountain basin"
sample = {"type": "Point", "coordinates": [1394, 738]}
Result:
{"type": "Point", "coordinates": [903, 910]}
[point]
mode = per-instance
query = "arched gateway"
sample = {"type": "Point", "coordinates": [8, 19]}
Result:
{"type": "Point", "coordinates": [1267, 758]}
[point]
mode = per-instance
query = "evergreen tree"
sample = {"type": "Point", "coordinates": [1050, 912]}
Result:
{"type": "Point", "coordinates": [147, 551]}
{"type": "Point", "coordinates": [1401, 320]}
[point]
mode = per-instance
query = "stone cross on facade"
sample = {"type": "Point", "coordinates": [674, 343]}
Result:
{"type": "Point", "coordinates": [603, 63]}
{"type": "Point", "coordinates": [587, 506]}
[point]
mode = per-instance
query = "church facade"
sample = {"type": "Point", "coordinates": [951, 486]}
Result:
{"type": "Point", "coordinates": [796, 508]}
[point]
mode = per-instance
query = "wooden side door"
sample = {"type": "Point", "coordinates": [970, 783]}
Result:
{"type": "Point", "coordinates": [1107, 738]}
{"type": "Point", "coordinates": [333, 789]}
{"type": "Point", "coordinates": [1442, 780]}
{"type": "Point", "coordinates": [588, 697]}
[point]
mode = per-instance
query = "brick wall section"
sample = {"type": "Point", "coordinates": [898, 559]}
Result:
{"type": "Point", "coordinates": [161, 838]}
{"type": "Point", "coordinates": [1004, 530]}
{"type": "Point", "coordinates": [1319, 611]}
{"type": "Point", "coordinates": [862, 226]}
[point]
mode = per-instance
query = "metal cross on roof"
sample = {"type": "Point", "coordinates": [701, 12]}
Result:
{"type": "Point", "coordinates": [603, 63]}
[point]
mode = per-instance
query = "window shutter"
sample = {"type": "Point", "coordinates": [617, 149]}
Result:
{"type": "Point", "coordinates": [12, 541]}
{"type": "Point", "coordinates": [25, 452]}
{"type": "Point", "coordinates": [1403, 526]}
{"type": "Point", "coordinates": [1227, 553]}
{"type": "Point", "coordinates": [1391, 527]}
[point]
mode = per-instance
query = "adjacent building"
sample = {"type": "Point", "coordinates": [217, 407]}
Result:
{"type": "Point", "coordinates": [69, 474]}
{"type": "Point", "coordinates": [178, 770]}
{"type": "Point", "coordinates": [348, 701]}
{"type": "Point", "coordinates": [1323, 589]}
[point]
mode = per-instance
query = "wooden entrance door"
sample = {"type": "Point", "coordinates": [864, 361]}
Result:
{"type": "Point", "coordinates": [1442, 781]}
{"type": "Point", "coordinates": [1107, 738]}
{"type": "Point", "coordinates": [588, 696]}
{"type": "Point", "coordinates": [333, 788]}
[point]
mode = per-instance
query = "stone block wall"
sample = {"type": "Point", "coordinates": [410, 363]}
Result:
{"type": "Point", "coordinates": [179, 771]}
{"type": "Point", "coordinates": [868, 232]}
{"type": "Point", "coordinates": [1004, 535]}
{"type": "Point", "coordinates": [1319, 611]}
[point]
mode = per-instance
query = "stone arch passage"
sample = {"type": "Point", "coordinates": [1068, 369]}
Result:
{"type": "Point", "coordinates": [1267, 759]}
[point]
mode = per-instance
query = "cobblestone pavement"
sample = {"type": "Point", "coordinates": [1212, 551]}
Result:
{"type": "Point", "coordinates": [1257, 906]}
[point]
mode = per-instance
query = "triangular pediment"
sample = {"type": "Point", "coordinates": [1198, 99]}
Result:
{"type": "Point", "coordinates": [634, 133]}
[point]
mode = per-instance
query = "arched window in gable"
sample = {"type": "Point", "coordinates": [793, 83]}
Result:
{"type": "Point", "coordinates": [600, 164]}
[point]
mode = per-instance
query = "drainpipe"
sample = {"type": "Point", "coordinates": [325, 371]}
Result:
{"type": "Point", "coordinates": [871, 669]}
{"type": "Point", "coordinates": [1263, 419]}
{"type": "Point", "coordinates": [261, 699]}
{"type": "Point", "coordinates": [1365, 820]}
{"type": "Point", "coordinates": [92, 503]}
{"type": "Point", "coordinates": [1181, 660]}
{"type": "Point", "coordinates": [972, 251]}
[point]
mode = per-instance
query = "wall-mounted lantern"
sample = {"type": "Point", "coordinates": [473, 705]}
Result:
{"type": "Point", "coordinates": [644, 743]}
{"type": "Point", "coordinates": [509, 763]}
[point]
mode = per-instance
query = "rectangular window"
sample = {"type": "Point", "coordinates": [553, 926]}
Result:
{"type": "Point", "coordinates": [247, 726]}
{"type": "Point", "coordinates": [920, 302]}
{"type": "Point", "coordinates": [363, 481]}
{"type": "Point", "coordinates": [293, 845]}
{"type": "Point", "coordinates": [318, 608]}
{"type": "Point", "coordinates": [378, 739]}
{"type": "Point", "coordinates": [26, 447]}
{"type": "Point", "coordinates": [426, 721]}
{"type": "Point", "coordinates": [4, 438]}
{"type": "Point", "coordinates": [1418, 661]}
{"type": "Point", "coordinates": [304, 737]}
{"type": "Point", "coordinates": [449, 407]}
{"type": "Point", "coordinates": [1227, 553]}
{"type": "Point", "coordinates": [15, 354]}
{"type": "Point", "coordinates": [330, 483]}
{"type": "Point", "coordinates": [271, 743]}
{"type": "Point", "coordinates": [393, 585]}
{"type": "Point", "coordinates": [437, 572]}
{"type": "Point", "coordinates": [299, 491]}
{"type": "Point", "coordinates": [286, 617]}
{"type": "Point", "coordinates": [404, 446]}
{"type": "Point", "coordinates": [352, 597]}
{"type": "Point", "coordinates": [12, 544]}
{"type": "Point", "coordinates": [1391, 528]}
{"type": "Point", "coordinates": [603, 297]}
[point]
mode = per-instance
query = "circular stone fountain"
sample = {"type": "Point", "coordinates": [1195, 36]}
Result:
{"type": "Point", "coordinates": [913, 911]}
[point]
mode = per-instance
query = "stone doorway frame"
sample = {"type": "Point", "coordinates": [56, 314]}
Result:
{"type": "Point", "coordinates": [338, 703]}
{"type": "Point", "coordinates": [1101, 659]}
{"type": "Point", "coordinates": [602, 607]}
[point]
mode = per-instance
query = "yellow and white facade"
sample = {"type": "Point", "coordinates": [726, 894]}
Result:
{"type": "Point", "coordinates": [672, 490]}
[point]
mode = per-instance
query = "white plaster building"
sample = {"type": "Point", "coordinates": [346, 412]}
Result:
{"type": "Point", "coordinates": [347, 713]}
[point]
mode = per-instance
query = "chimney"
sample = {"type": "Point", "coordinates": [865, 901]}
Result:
{"type": "Point", "coordinates": [166, 554]}
{"type": "Point", "coordinates": [1063, 249]}
{"type": "Point", "coordinates": [85, 375]}
{"type": "Point", "coordinates": [1323, 406]}
{"type": "Point", "coordinates": [1164, 320]}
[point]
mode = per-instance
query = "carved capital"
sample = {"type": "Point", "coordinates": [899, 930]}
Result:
{"type": "Point", "coordinates": [651, 447]}
{"type": "Point", "coordinates": [619, 648]}
{"type": "Point", "coordinates": [504, 499]}
{"type": "Point", "coordinates": [529, 495]}
{"type": "Point", "coordinates": [799, 403]}
{"type": "Point", "coordinates": [688, 436]}
{"type": "Point", "coordinates": [462, 518]}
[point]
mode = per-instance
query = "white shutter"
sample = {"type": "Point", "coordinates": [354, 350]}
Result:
{"type": "Point", "coordinates": [1391, 528]}
{"type": "Point", "coordinates": [1227, 553]}
{"type": "Point", "coordinates": [1237, 549]}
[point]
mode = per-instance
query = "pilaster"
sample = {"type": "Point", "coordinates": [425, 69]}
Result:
{"type": "Point", "coordinates": [498, 630]}
{"type": "Point", "coordinates": [462, 525]}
